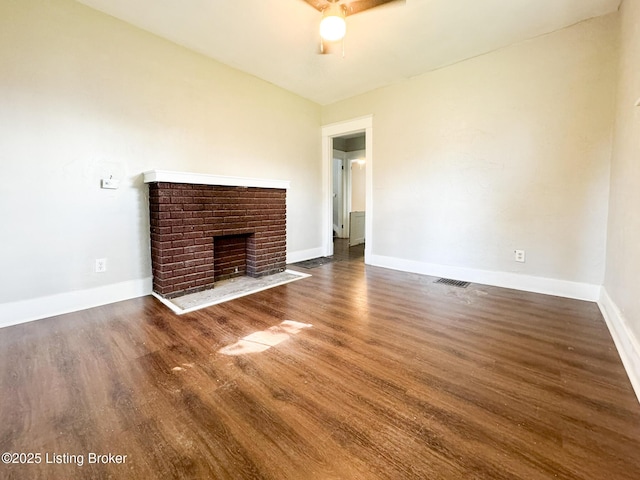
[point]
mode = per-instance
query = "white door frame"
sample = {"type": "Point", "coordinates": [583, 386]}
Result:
{"type": "Point", "coordinates": [361, 124]}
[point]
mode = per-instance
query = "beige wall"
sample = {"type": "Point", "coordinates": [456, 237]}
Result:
{"type": "Point", "coordinates": [83, 96]}
{"type": "Point", "coordinates": [623, 245]}
{"type": "Point", "coordinates": [506, 151]}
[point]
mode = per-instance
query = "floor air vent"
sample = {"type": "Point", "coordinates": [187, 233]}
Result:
{"type": "Point", "coordinates": [453, 283]}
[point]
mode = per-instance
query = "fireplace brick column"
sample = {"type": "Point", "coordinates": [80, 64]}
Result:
{"type": "Point", "coordinates": [185, 218]}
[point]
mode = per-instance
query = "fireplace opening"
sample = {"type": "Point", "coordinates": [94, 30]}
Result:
{"type": "Point", "coordinates": [230, 256]}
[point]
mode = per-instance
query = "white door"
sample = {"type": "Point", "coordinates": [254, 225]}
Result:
{"type": "Point", "coordinates": [356, 228]}
{"type": "Point", "coordinates": [338, 197]}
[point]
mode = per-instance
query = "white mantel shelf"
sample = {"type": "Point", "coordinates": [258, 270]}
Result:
{"type": "Point", "coordinates": [206, 179]}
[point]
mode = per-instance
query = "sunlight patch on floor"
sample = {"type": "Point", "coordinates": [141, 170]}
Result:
{"type": "Point", "coordinates": [260, 341]}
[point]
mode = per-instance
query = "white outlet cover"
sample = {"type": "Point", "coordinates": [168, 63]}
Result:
{"type": "Point", "coordinates": [101, 265]}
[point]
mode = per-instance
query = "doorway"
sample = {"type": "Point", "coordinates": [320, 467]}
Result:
{"type": "Point", "coordinates": [347, 155]}
{"type": "Point", "coordinates": [349, 187]}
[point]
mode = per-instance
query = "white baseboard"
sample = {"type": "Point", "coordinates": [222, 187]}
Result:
{"type": "Point", "coordinates": [626, 342]}
{"type": "Point", "coordinates": [302, 255]}
{"type": "Point", "coordinates": [516, 281]}
{"type": "Point", "coordinates": [38, 308]}
{"type": "Point", "coordinates": [43, 307]}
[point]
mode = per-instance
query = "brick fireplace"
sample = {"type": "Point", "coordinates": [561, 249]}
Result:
{"type": "Point", "coordinates": [207, 228]}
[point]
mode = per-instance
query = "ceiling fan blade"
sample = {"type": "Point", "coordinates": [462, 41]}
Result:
{"type": "Point", "coordinates": [352, 6]}
{"type": "Point", "coordinates": [318, 4]}
{"type": "Point", "coordinates": [357, 6]}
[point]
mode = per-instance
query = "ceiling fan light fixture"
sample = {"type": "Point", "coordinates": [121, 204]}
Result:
{"type": "Point", "coordinates": [333, 26]}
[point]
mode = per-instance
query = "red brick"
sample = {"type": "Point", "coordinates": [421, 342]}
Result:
{"type": "Point", "coordinates": [180, 214]}
{"type": "Point", "coordinates": [195, 262]}
{"type": "Point", "coordinates": [195, 248]}
{"type": "Point", "coordinates": [169, 267]}
{"type": "Point", "coordinates": [182, 243]}
{"type": "Point", "coordinates": [205, 254]}
{"type": "Point", "coordinates": [183, 257]}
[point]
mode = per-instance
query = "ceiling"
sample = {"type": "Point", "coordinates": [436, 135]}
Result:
{"type": "Point", "coordinates": [278, 40]}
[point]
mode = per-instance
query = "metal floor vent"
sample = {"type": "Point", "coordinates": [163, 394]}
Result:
{"type": "Point", "coordinates": [453, 283]}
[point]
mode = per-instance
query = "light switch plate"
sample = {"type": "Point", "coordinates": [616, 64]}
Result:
{"type": "Point", "coordinates": [109, 183]}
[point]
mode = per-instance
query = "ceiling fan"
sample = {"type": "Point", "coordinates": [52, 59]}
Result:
{"type": "Point", "coordinates": [333, 26]}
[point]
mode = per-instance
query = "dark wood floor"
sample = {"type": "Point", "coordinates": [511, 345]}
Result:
{"type": "Point", "coordinates": [398, 378]}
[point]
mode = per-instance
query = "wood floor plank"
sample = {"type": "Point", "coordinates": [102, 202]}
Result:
{"type": "Point", "coordinates": [397, 378]}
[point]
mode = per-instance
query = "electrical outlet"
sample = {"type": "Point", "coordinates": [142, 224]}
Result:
{"type": "Point", "coordinates": [101, 265]}
{"type": "Point", "coordinates": [519, 256]}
